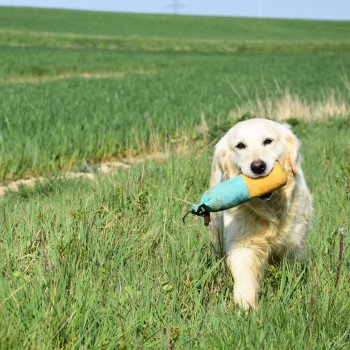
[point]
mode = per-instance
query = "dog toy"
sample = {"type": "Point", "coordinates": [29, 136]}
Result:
{"type": "Point", "coordinates": [237, 190]}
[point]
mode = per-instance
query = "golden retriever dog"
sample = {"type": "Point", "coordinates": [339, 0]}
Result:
{"type": "Point", "coordinates": [265, 229]}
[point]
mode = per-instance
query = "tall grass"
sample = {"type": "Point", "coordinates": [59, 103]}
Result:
{"type": "Point", "coordinates": [110, 264]}
{"type": "Point", "coordinates": [58, 124]}
{"type": "Point", "coordinates": [80, 87]}
{"type": "Point", "coordinates": [283, 105]}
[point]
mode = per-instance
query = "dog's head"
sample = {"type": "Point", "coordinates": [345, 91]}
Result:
{"type": "Point", "coordinates": [251, 147]}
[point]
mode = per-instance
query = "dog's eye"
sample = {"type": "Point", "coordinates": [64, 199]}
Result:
{"type": "Point", "coordinates": [240, 145]}
{"type": "Point", "coordinates": [267, 141]}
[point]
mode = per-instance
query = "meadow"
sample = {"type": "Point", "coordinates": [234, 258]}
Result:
{"type": "Point", "coordinates": [109, 264]}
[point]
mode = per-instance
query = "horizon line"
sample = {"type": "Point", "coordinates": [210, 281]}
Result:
{"type": "Point", "coordinates": [176, 14]}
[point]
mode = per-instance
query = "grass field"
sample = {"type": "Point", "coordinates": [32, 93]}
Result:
{"type": "Point", "coordinates": [107, 94]}
{"type": "Point", "coordinates": [108, 264]}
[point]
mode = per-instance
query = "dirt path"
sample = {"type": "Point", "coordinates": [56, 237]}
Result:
{"type": "Point", "coordinates": [100, 168]}
{"type": "Point", "coordinates": [31, 79]}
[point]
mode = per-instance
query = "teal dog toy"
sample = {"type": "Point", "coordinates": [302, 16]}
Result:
{"type": "Point", "coordinates": [237, 190]}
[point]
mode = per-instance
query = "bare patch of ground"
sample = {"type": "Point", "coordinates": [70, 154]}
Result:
{"type": "Point", "coordinates": [83, 75]}
{"type": "Point", "coordinates": [104, 167]}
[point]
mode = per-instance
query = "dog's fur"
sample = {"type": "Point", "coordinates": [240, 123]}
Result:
{"type": "Point", "coordinates": [261, 230]}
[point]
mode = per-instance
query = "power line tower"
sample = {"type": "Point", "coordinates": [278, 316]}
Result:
{"type": "Point", "coordinates": [176, 5]}
{"type": "Point", "coordinates": [261, 5]}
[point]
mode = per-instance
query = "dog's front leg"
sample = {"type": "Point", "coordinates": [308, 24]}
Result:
{"type": "Point", "coordinates": [246, 264]}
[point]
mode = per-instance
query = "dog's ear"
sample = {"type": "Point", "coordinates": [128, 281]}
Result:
{"type": "Point", "coordinates": [222, 167]}
{"type": "Point", "coordinates": [291, 150]}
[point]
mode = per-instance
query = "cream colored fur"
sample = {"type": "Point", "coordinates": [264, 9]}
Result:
{"type": "Point", "coordinates": [260, 231]}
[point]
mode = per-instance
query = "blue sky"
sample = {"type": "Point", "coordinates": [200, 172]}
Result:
{"type": "Point", "coordinates": [311, 9]}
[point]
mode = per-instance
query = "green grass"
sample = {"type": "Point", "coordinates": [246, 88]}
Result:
{"type": "Point", "coordinates": [163, 26]}
{"type": "Point", "coordinates": [82, 86]}
{"type": "Point", "coordinates": [101, 265]}
{"type": "Point", "coordinates": [109, 264]}
{"type": "Point", "coordinates": [57, 124]}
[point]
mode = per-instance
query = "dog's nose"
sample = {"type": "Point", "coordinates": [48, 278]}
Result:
{"type": "Point", "coordinates": [258, 167]}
